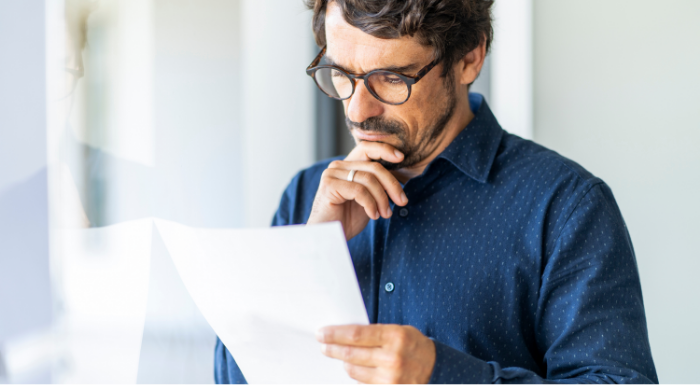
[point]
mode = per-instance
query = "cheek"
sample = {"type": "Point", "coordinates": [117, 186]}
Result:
{"type": "Point", "coordinates": [420, 111]}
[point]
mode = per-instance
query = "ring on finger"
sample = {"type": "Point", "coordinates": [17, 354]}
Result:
{"type": "Point", "coordinates": [351, 175]}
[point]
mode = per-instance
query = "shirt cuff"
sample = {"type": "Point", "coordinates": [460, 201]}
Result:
{"type": "Point", "coordinates": [455, 367]}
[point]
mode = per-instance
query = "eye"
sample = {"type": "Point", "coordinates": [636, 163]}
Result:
{"type": "Point", "coordinates": [391, 79]}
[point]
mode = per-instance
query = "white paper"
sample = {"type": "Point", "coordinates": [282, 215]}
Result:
{"type": "Point", "coordinates": [266, 291]}
{"type": "Point", "coordinates": [105, 288]}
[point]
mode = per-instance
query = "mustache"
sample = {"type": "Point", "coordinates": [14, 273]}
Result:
{"type": "Point", "coordinates": [377, 125]}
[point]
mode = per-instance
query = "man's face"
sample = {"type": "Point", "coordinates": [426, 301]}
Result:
{"type": "Point", "coordinates": [412, 127]}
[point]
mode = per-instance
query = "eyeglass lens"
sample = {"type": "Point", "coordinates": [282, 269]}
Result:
{"type": "Point", "coordinates": [387, 86]}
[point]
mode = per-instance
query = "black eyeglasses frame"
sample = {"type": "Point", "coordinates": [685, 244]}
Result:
{"type": "Point", "coordinates": [409, 80]}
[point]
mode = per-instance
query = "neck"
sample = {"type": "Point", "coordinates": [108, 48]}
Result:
{"type": "Point", "coordinates": [461, 118]}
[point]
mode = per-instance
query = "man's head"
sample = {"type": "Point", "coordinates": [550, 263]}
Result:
{"type": "Point", "coordinates": [365, 35]}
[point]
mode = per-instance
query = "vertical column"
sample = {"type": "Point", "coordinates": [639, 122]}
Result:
{"type": "Point", "coordinates": [511, 66]}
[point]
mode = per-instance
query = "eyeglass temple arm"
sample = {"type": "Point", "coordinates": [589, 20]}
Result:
{"type": "Point", "coordinates": [425, 70]}
{"type": "Point", "coordinates": [317, 59]}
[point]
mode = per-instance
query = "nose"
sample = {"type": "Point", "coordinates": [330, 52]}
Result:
{"type": "Point", "coordinates": [362, 105]}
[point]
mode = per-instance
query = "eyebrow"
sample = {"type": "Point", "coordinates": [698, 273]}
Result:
{"type": "Point", "coordinates": [399, 69]}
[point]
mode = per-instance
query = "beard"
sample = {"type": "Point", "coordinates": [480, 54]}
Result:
{"type": "Point", "coordinates": [414, 151]}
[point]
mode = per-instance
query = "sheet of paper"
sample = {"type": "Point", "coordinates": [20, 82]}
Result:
{"type": "Point", "coordinates": [104, 279]}
{"type": "Point", "coordinates": [266, 291]}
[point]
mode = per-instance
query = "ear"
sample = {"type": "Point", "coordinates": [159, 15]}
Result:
{"type": "Point", "coordinates": [468, 68]}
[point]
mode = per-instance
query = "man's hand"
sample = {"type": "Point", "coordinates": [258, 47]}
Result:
{"type": "Point", "coordinates": [389, 354]}
{"type": "Point", "coordinates": [367, 196]}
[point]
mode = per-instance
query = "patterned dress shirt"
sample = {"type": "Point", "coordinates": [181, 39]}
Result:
{"type": "Point", "coordinates": [515, 260]}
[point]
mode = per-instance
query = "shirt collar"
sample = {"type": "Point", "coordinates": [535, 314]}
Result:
{"type": "Point", "coordinates": [474, 149]}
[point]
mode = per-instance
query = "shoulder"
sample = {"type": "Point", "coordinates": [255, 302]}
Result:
{"type": "Point", "coordinates": [550, 186]}
{"type": "Point", "coordinates": [528, 156]}
{"type": "Point", "coordinates": [540, 172]}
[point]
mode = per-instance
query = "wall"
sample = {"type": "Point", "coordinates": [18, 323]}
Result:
{"type": "Point", "coordinates": [617, 88]}
{"type": "Point", "coordinates": [277, 102]}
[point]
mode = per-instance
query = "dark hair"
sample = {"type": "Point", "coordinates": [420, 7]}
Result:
{"type": "Point", "coordinates": [452, 27]}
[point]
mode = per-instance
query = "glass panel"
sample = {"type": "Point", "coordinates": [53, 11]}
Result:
{"type": "Point", "coordinates": [334, 83]}
{"type": "Point", "coordinates": [389, 87]}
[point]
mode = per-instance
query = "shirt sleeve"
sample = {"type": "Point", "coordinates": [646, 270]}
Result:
{"type": "Point", "coordinates": [590, 322]}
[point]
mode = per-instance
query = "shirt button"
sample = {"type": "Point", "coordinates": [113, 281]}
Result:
{"type": "Point", "coordinates": [389, 287]}
{"type": "Point", "coordinates": [403, 212]}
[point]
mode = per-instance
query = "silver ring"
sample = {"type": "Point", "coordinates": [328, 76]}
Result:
{"type": "Point", "coordinates": [351, 175]}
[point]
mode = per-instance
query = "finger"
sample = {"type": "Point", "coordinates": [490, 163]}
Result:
{"type": "Point", "coordinates": [366, 151]}
{"type": "Point", "coordinates": [371, 183]}
{"type": "Point", "coordinates": [388, 181]}
{"type": "Point", "coordinates": [340, 191]}
{"type": "Point", "coordinates": [362, 374]}
{"type": "Point", "coordinates": [357, 355]}
{"type": "Point", "coordinates": [353, 335]}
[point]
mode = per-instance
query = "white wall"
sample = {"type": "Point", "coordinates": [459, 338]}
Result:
{"type": "Point", "coordinates": [197, 99]}
{"type": "Point", "coordinates": [617, 88]}
{"type": "Point", "coordinates": [278, 102]}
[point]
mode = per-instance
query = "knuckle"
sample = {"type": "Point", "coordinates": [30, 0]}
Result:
{"type": "Point", "coordinates": [326, 174]}
{"type": "Point", "coordinates": [369, 179]}
{"type": "Point", "coordinates": [356, 335]}
{"type": "Point", "coordinates": [346, 353]}
{"type": "Point", "coordinates": [395, 363]}
{"type": "Point", "coordinates": [374, 178]}
{"type": "Point", "coordinates": [376, 167]}
{"type": "Point", "coordinates": [361, 191]}
{"type": "Point", "coordinates": [400, 337]}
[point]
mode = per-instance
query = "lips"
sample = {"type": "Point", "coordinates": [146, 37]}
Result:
{"type": "Point", "coordinates": [371, 137]}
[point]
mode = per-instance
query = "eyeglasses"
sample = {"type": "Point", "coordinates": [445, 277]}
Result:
{"type": "Point", "coordinates": [387, 86]}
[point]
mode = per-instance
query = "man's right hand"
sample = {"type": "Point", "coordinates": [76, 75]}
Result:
{"type": "Point", "coordinates": [367, 196]}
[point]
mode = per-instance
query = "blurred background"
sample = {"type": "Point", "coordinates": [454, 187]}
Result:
{"type": "Point", "coordinates": [112, 111]}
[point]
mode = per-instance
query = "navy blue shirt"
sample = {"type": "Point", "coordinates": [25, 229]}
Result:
{"type": "Point", "coordinates": [515, 260]}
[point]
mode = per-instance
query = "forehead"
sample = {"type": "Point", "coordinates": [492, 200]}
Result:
{"type": "Point", "coordinates": [354, 49]}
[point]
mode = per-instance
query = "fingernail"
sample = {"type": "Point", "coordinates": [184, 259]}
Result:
{"type": "Point", "coordinates": [376, 215]}
{"type": "Point", "coordinates": [388, 212]}
{"type": "Point", "coordinates": [324, 348]}
{"type": "Point", "coordinates": [319, 335]}
{"type": "Point", "coordinates": [404, 198]}
{"type": "Point", "coordinates": [398, 153]}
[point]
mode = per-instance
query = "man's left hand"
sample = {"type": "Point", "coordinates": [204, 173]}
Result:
{"type": "Point", "coordinates": [389, 354]}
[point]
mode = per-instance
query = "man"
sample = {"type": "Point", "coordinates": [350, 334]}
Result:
{"type": "Point", "coordinates": [481, 257]}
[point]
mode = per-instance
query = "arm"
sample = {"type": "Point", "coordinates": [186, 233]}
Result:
{"type": "Point", "coordinates": [591, 323]}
